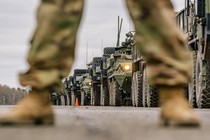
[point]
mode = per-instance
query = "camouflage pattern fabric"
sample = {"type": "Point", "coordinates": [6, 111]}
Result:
{"type": "Point", "coordinates": [160, 42]}
{"type": "Point", "coordinates": [52, 47]}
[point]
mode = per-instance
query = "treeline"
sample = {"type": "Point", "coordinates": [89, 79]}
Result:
{"type": "Point", "coordinates": [10, 96]}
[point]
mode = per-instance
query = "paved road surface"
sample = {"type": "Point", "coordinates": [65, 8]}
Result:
{"type": "Point", "coordinates": [101, 123]}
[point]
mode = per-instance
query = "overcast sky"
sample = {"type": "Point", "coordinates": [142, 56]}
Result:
{"type": "Point", "coordinates": [98, 30]}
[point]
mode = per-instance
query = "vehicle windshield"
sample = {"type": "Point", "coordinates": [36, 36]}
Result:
{"type": "Point", "coordinates": [78, 78]}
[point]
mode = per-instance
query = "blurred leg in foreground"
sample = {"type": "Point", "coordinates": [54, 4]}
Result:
{"type": "Point", "coordinates": [50, 58]}
{"type": "Point", "coordinates": [169, 62]}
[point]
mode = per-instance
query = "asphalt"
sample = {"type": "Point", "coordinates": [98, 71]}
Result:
{"type": "Point", "coordinates": [107, 123]}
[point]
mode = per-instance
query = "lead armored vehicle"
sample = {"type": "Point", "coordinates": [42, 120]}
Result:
{"type": "Point", "coordinates": [119, 71]}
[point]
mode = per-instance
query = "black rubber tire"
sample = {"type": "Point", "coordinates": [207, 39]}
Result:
{"type": "Point", "coordinates": [110, 86]}
{"type": "Point", "coordinates": [152, 97]}
{"type": "Point", "coordinates": [53, 100]}
{"type": "Point", "coordinates": [117, 94]}
{"type": "Point", "coordinates": [59, 100]}
{"type": "Point", "coordinates": [144, 89]}
{"type": "Point", "coordinates": [133, 90]}
{"type": "Point", "coordinates": [192, 84]}
{"type": "Point", "coordinates": [73, 99]}
{"type": "Point", "coordinates": [87, 99]}
{"type": "Point", "coordinates": [106, 96]}
{"type": "Point", "coordinates": [82, 98]}
{"type": "Point", "coordinates": [137, 87]}
{"type": "Point", "coordinates": [96, 95]}
{"type": "Point", "coordinates": [203, 87]}
{"type": "Point", "coordinates": [67, 100]}
{"type": "Point", "coordinates": [62, 100]}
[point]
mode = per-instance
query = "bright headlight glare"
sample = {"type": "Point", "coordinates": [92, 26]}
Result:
{"type": "Point", "coordinates": [126, 67]}
{"type": "Point", "coordinates": [89, 84]}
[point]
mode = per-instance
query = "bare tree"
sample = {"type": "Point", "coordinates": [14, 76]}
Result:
{"type": "Point", "coordinates": [10, 96]}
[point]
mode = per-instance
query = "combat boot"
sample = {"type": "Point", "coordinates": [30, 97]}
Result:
{"type": "Point", "coordinates": [175, 109]}
{"type": "Point", "coordinates": [34, 109]}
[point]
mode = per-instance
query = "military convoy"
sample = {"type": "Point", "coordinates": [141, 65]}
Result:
{"type": "Point", "coordinates": [119, 76]}
{"type": "Point", "coordinates": [119, 71]}
{"type": "Point", "coordinates": [115, 79]}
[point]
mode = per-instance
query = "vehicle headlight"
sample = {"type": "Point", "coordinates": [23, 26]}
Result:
{"type": "Point", "coordinates": [89, 84]}
{"type": "Point", "coordinates": [127, 67]}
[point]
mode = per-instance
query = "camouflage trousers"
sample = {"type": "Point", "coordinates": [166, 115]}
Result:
{"type": "Point", "coordinates": [160, 42]}
{"type": "Point", "coordinates": [52, 46]}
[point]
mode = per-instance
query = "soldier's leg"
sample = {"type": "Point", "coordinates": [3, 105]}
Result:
{"type": "Point", "coordinates": [169, 62]}
{"type": "Point", "coordinates": [50, 58]}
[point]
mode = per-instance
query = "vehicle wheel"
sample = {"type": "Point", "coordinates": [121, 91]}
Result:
{"type": "Point", "coordinates": [152, 97]}
{"type": "Point", "coordinates": [145, 88]}
{"type": "Point", "coordinates": [202, 83]}
{"type": "Point", "coordinates": [192, 84]}
{"type": "Point", "coordinates": [110, 85]}
{"type": "Point", "coordinates": [117, 94]}
{"type": "Point", "coordinates": [82, 98]}
{"type": "Point", "coordinates": [67, 100]}
{"type": "Point", "coordinates": [96, 95]}
{"type": "Point", "coordinates": [133, 90]}
{"type": "Point", "coordinates": [73, 99]}
{"type": "Point", "coordinates": [62, 100]}
{"type": "Point", "coordinates": [139, 89]}
{"type": "Point", "coordinates": [69, 97]}
{"type": "Point", "coordinates": [53, 100]}
{"type": "Point", "coordinates": [106, 96]}
{"type": "Point", "coordinates": [87, 99]}
{"type": "Point", "coordinates": [150, 93]}
{"type": "Point", "coordinates": [59, 100]}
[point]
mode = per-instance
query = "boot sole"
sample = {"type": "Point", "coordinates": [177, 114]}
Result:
{"type": "Point", "coordinates": [167, 122]}
{"type": "Point", "coordinates": [34, 121]}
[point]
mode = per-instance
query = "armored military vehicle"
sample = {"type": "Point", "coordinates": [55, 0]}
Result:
{"type": "Point", "coordinates": [95, 73]}
{"type": "Point", "coordinates": [76, 92]}
{"type": "Point", "coordinates": [85, 89]}
{"type": "Point", "coordinates": [119, 70]}
{"type": "Point", "coordinates": [194, 20]}
{"type": "Point", "coordinates": [104, 83]}
{"type": "Point", "coordinates": [143, 94]}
